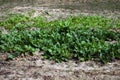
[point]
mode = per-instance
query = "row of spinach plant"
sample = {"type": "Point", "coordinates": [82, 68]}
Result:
{"type": "Point", "coordinates": [80, 38]}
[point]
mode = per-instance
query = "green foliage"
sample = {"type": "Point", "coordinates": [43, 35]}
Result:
{"type": "Point", "coordinates": [63, 43]}
{"type": "Point", "coordinates": [14, 20]}
{"type": "Point", "coordinates": [82, 38]}
{"type": "Point", "coordinates": [39, 22]}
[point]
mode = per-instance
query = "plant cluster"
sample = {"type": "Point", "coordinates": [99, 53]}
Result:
{"type": "Point", "coordinates": [40, 22]}
{"type": "Point", "coordinates": [61, 40]}
{"type": "Point", "coordinates": [63, 43]}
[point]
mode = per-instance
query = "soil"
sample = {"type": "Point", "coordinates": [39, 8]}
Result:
{"type": "Point", "coordinates": [37, 68]}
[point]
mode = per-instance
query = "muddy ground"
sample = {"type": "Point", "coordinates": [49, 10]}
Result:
{"type": "Point", "coordinates": [36, 68]}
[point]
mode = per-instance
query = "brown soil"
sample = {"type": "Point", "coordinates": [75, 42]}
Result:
{"type": "Point", "coordinates": [36, 68]}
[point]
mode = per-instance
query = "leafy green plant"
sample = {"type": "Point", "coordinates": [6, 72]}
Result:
{"type": "Point", "coordinates": [82, 38]}
{"type": "Point", "coordinates": [14, 20]}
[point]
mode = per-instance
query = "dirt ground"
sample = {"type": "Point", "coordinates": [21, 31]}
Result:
{"type": "Point", "coordinates": [36, 68]}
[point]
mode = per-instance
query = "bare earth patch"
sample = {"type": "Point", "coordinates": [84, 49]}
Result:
{"type": "Point", "coordinates": [36, 68]}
